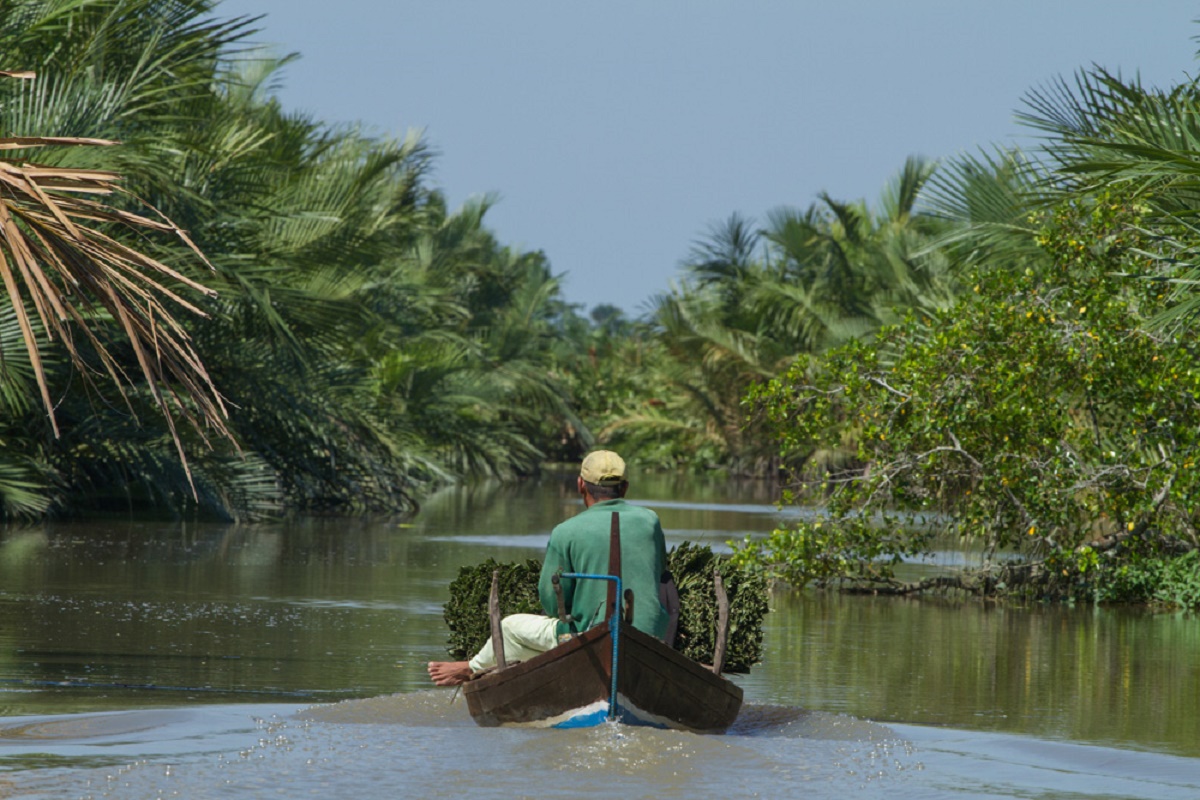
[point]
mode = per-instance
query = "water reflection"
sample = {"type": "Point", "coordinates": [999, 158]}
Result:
{"type": "Point", "coordinates": [1084, 674]}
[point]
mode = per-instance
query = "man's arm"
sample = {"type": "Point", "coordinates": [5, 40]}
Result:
{"type": "Point", "coordinates": [555, 561]}
{"type": "Point", "coordinates": [660, 547]}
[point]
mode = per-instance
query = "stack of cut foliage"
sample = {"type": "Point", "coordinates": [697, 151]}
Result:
{"type": "Point", "coordinates": [692, 565]}
{"type": "Point", "coordinates": [466, 611]}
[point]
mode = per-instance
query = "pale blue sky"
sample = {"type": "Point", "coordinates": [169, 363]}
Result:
{"type": "Point", "coordinates": [615, 133]}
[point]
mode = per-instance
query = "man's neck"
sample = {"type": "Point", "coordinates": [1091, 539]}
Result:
{"type": "Point", "coordinates": [589, 501]}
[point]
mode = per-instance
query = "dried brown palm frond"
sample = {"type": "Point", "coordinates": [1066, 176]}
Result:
{"type": "Point", "coordinates": [57, 257]}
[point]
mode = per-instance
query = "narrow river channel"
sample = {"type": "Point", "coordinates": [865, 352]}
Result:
{"type": "Point", "coordinates": [149, 659]}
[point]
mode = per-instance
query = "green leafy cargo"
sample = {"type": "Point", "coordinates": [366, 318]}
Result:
{"type": "Point", "coordinates": [693, 567]}
{"type": "Point", "coordinates": [466, 612]}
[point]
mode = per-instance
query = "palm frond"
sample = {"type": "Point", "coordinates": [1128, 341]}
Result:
{"type": "Point", "coordinates": [54, 255]}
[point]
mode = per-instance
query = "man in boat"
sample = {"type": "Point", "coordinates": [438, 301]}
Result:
{"type": "Point", "coordinates": [580, 544]}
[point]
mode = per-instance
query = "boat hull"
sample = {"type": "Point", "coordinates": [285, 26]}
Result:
{"type": "Point", "coordinates": [570, 686]}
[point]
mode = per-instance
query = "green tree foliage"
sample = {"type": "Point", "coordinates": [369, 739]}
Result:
{"type": "Point", "coordinates": [1050, 416]}
{"type": "Point", "coordinates": [99, 304]}
{"type": "Point", "coordinates": [368, 342]}
{"type": "Point", "coordinates": [1037, 418]}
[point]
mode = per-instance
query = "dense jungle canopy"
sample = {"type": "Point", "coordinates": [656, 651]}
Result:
{"type": "Point", "coordinates": [217, 306]}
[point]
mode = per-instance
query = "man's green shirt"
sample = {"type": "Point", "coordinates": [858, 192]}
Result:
{"type": "Point", "coordinates": [580, 544]}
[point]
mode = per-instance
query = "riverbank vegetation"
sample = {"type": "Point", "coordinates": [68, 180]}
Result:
{"type": "Point", "coordinates": [999, 349]}
{"type": "Point", "coordinates": [1049, 417]}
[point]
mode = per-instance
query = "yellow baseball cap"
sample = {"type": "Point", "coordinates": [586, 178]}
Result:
{"type": "Point", "coordinates": [603, 468]}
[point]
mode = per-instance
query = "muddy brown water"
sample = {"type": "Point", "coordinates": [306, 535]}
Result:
{"type": "Point", "coordinates": [148, 659]}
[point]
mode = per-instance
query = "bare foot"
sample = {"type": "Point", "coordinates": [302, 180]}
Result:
{"type": "Point", "coordinates": [449, 673]}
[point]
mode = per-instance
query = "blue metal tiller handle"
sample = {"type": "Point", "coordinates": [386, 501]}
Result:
{"type": "Point", "coordinates": [614, 630]}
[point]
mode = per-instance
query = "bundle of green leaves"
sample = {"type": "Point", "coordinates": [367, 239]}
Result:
{"type": "Point", "coordinates": [466, 613]}
{"type": "Point", "coordinates": [693, 567]}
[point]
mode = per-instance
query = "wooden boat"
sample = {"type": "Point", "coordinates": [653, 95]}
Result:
{"type": "Point", "coordinates": [573, 686]}
{"type": "Point", "coordinates": [570, 686]}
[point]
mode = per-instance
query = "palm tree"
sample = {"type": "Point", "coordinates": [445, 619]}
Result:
{"type": "Point", "coordinates": [367, 343]}
{"type": "Point", "coordinates": [477, 380]}
{"type": "Point", "coordinates": [754, 300]}
{"type": "Point", "coordinates": [843, 269]}
{"type": "Point", "coordinates": [60, 258]}
{"type": "Point", "coordinates": [1109, 136]}
{"type": "Point", "coordinates": [100, 283]}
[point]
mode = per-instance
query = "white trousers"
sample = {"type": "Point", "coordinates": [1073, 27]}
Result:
{"type": "Point", "coordinates": [525, 636]}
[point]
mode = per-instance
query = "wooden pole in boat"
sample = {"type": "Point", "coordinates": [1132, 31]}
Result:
{"type": "Point", "coordinates": [722, 624]}
{"type": "Point", "coordinates": [614, 560]}
{"type": "Point", "coordinates": [614, 611]}
{"type": "Point", "coordinates": [494, 618]}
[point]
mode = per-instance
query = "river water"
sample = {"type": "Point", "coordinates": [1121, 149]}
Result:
{"type": "Point", "coordinates": [151, 659]}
